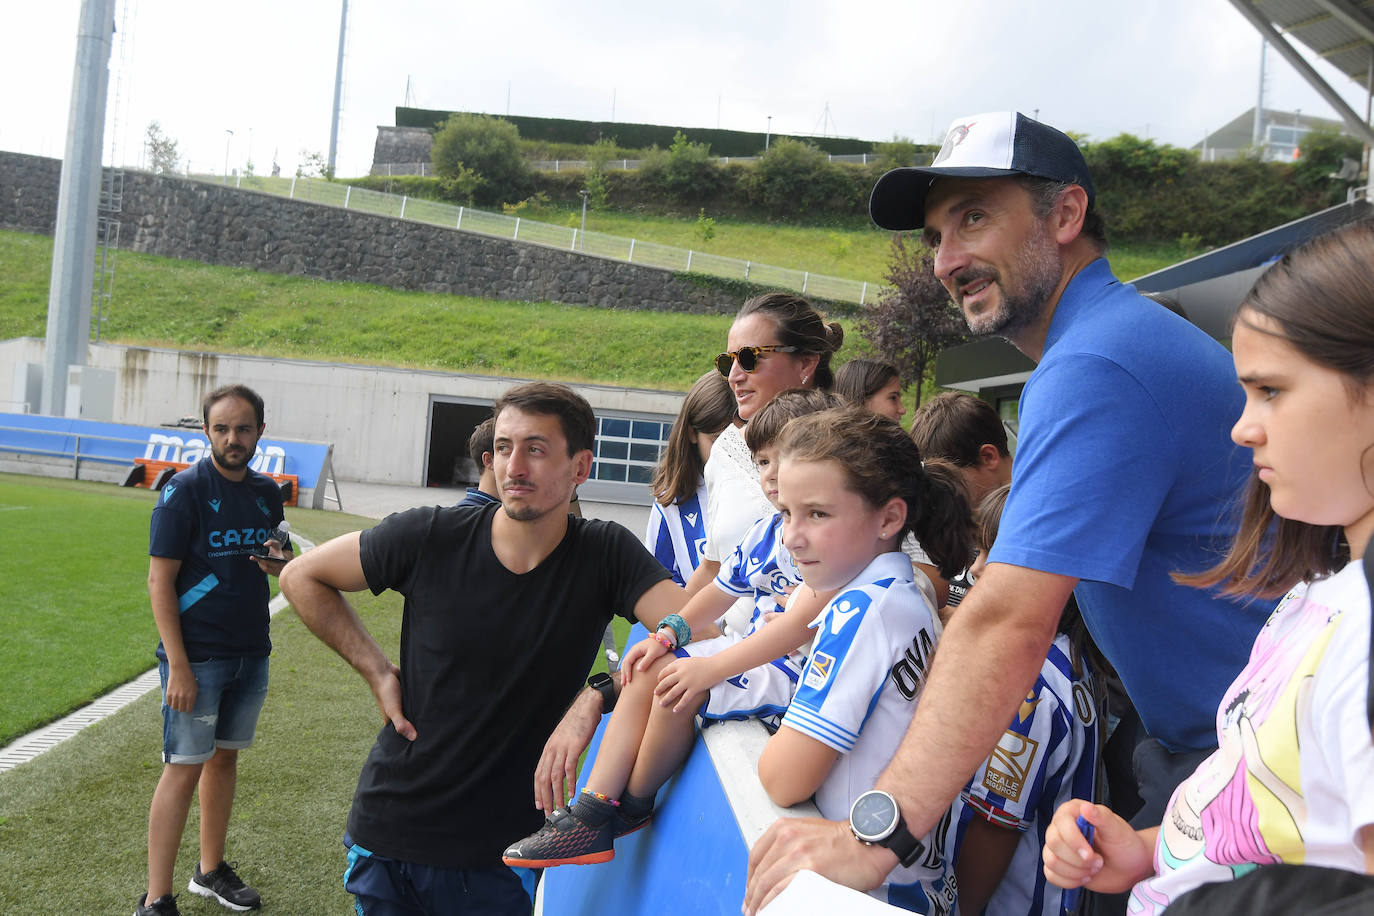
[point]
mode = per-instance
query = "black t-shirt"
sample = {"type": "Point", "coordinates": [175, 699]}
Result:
{"type": "Point", "coordinates": [490, 661]}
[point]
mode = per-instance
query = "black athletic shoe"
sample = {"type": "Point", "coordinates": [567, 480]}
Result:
{"type": "Point", "coordinates": [626, 824]}
{"type": "Point", "coordinates": [565, 839]}
{"type": "Point", "coordinates": [166, 905]}
{"type": "Point", "coordinates": [226, 887]}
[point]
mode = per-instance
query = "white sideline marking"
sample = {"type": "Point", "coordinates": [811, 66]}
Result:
{"type": "Point", "coordinates": [27, 747]}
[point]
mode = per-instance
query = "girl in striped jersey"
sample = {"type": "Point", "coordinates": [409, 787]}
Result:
{"type": "Point", "coordinates": [851, 486]}
{"type": "Point", "coordinates": [677, 519]}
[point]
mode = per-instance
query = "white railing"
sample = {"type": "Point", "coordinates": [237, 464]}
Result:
{"type": "Point", "coordinates": [635, 251]}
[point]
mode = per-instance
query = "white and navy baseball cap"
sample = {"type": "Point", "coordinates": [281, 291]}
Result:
{"type": "Point", "coordinates": [980, 146]}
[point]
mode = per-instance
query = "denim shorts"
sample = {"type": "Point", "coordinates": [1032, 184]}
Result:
{"type": "Point", "coordinates": [229, 696]}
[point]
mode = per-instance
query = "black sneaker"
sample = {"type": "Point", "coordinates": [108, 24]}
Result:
{"type": "Point", "coordinates": [226, 887]}
{"type": "Point", "coordinates": [625, 824]}
{"type": "Point", "coordinates": [166, 905]}
{"type": "Point", "coordinates": [565, 839]}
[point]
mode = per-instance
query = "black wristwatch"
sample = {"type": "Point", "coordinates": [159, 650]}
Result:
{"type": "Point", "coordinates": [876, 820]}
{"type": "Point", "coordinates": [602, 682]}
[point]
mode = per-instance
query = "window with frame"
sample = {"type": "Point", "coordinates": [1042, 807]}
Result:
{"type": "Point", "coordinates": [627, 449]}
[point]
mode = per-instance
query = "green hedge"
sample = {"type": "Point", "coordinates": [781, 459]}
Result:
{"type": "Point", "coordinates": [636, 136]}
{"type": "Point", "coordinates": [1148, 193]}
{"type": "Point", "coordinates": [1154, 193]}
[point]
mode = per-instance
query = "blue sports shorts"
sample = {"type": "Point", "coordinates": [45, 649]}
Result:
{"type": "Point", "coordinates": [389, 887]}
{"type": "Point", "coordinates": [229, 696]}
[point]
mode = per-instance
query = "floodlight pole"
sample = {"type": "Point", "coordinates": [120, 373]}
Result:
{"type": "Point", "coordinates": [768, 133]}
{"type": "Point", "coordinates": [228, 137]}
{"type": "Point", "coordinates": [338, 90]}
{"type": "Point", "coordinates": [78, 200]}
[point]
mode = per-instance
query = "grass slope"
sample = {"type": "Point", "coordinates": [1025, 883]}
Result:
{"type": "Point", "coordinates": [855, 253]}
{"type": "Point", "coordinates": [189, 305]}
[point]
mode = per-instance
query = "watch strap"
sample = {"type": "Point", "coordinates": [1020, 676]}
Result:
{"type": "Point", "coordinates": [603, 684]}
{"type": "Point", "coordinates": [908, 849]}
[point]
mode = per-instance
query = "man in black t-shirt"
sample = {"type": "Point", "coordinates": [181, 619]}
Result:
{"type": "Point", "coordinates": [504, 610]}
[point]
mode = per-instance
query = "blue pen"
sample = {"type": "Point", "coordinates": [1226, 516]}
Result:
{"type": "Point", "coordinates": [1071, 896]}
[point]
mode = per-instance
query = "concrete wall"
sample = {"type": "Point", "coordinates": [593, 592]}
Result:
{"type": "Point", "coordinates": [179, 218]}
{"type": "Point", "coordinates": [401, 144]}
{"type": "Point", "coordinates": [377, 418]}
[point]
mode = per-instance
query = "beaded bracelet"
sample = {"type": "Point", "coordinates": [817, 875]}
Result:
{"type": "Point", "coordinates": [663, 641]}
{"type": "Point", "coordinates": [606, 798]}
{"type": "Point", "coordinates": [679, 627]}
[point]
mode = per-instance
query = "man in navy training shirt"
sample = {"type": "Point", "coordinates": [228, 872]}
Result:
{"type": "Point", "coordinates": [209, 595]}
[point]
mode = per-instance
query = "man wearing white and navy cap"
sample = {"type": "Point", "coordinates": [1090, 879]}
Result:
{"type": "Point", "coordinates": [1124, 471]}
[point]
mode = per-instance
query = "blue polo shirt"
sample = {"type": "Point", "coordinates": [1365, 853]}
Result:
{"type": "Point", "coordinates": [1125, 472]}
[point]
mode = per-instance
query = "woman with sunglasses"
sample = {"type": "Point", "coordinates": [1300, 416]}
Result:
{"type": "Point", "coordinates": [778, 341]}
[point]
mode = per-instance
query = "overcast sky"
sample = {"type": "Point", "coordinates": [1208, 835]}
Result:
{"type": "Point", "coordinates": [264, 69]}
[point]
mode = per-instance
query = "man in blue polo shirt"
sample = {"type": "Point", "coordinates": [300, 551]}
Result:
{"type": "Point", "coordinates": [209, 594]}
{"type": "Point", "coordinates": [1124, 474]}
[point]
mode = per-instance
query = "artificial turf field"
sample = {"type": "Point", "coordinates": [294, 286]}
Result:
{"type": "Point", "coordinates": [73, 822]}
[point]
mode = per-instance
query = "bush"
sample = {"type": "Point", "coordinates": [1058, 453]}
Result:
{"type": "Point", "coordinates": [900, 152]}
{"type": "Point", "coordinates": [684, 172]}
{"type": "Point", "coordinates": [479, 159]}
{"type": "Point", "coordinates": [1323, 151]}
{"type": "Point", "coordinates": [794, 177]}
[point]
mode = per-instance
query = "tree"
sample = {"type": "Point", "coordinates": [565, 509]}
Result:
{"type": "Point", "coordinates": [163, 155]}
{"type": "Point", "coordinates": [915, 318]}
{"type": "Point", "coordinates": [480, 158]}
{"type": "Point", "coordinates": [314, 164]}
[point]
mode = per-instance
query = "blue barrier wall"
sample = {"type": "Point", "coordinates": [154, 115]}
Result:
{"type": "Point", "coordinates": [690, 860]}
{"type": "Point", "coordinates": [117, 443]}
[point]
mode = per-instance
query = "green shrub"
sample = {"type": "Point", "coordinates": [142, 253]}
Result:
{"type": "Point", "coordinates": [1323, 150]}
{"type": "Point", "coordinates": [479, 158]}
{"type": "Point", "coordinates": [705, 228]}
{"type": "Point", "coordinates": [795, 177]}
{"type": "Point", "coordinates": [900, 152]}
{"type": "Point", "coordinates": [684, 172]}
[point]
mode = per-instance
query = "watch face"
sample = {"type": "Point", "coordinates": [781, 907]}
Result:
{"type": "Point", "coordinates": [873, 816]}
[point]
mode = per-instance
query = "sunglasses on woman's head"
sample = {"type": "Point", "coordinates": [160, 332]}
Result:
{"type": "Point", "coordinates": [748, 358]}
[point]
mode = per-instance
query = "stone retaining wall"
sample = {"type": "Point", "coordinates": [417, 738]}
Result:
{"type": "Point", "coordinates": [179, 218]}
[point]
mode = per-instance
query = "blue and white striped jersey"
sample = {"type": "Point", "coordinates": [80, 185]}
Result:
{"type": "Point", "coordinates": [869, 660]}
{"type": "Point", "coordinates": [760, 568]}
{"type": "Point", "coordinates": [677, 533]}
{"type": "Point", "coordinates": [1047, 756]}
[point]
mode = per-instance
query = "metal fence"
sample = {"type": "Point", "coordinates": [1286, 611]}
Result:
{"type": "Point", "coordinates": [559, 165]}
{"type": "Point", "coordinates": [634, 251]}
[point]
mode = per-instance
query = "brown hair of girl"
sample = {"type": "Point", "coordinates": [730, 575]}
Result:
{"type": "Point", "coordinates": [880, 462]}
{"type": "Point", "coordinates": [1319, 299]}
{"type": "Point", "coordinates": [708, 408]}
